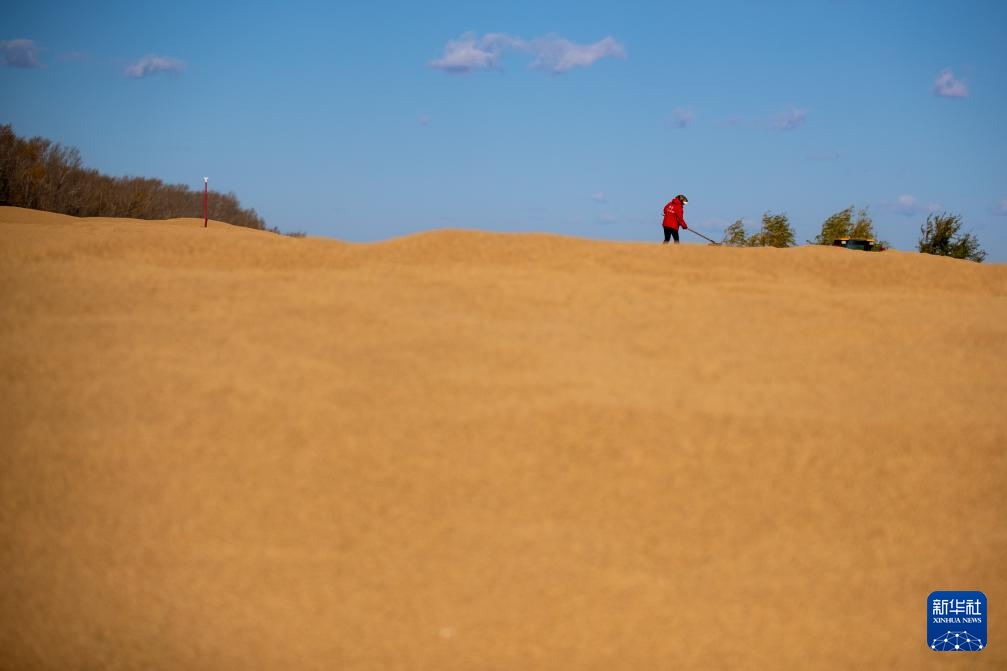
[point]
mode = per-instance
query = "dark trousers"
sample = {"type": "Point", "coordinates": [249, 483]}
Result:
{"type": "Point", "coordinates": [670, 233]}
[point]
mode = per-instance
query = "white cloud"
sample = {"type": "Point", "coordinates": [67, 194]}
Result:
{"type": "Point", "coordinates": [552, 53]}
{"type": "Point", "coordinates": [599, 197]}
{"type": "Point", "coordinates": [1001, 210]}
{"type": "Point", "coordinates": [557, 54]}
{"type": "Point", "coordinates": [908, 206]}
{"type": "Point", "coordinates": [905, 205]}
{"type": "Point", "coordinates": [470, 52]}
{"type": "Point", "coordinates": [150, 65]}
{"type": "Point", "coordinates": [20, 53]}
{"type": "Point", "coordinates": [608, 218]}
{"type": "Point", "coordinates": [791, 119]}
{"type": "Point", "coordinates": [682, 117]}
{"type": "Point", "coordinates": [946, 86]}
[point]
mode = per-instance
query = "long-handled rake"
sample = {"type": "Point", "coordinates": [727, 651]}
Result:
{"type": "Point", "coordinates": [712, 242]}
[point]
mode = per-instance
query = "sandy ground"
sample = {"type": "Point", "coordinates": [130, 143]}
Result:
{"type": "Point", "coordinates": [227, 449]}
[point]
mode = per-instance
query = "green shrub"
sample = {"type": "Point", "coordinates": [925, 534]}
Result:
{"type": "Point", "coordinates": [775, 232]}
{"type": "Point", "coordinates": [941, 235]}
{"type": "Point", "coordinates": [735, 235]}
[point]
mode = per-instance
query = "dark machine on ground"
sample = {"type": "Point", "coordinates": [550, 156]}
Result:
{"type": "Point", "coordinates": [863, 244]}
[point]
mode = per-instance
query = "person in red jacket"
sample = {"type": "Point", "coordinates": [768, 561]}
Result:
{"type": "Point", "coordinates": [673, 218]}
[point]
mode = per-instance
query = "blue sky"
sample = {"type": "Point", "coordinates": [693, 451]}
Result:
{"type": "Point", "coordinates": [365, 120]}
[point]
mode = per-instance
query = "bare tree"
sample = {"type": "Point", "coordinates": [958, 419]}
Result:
{"type": "Point", "coordinates": [40, 174]}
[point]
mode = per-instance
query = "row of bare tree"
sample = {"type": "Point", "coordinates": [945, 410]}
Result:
{"type": "Point", "coordinates": [44, 175]}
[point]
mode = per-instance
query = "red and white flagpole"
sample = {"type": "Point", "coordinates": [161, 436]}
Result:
{"type": "Point", "coordinates": [206, 191]}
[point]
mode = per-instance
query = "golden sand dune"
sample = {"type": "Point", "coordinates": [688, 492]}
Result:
{"type": "Point", "coordinates": [227, 449]}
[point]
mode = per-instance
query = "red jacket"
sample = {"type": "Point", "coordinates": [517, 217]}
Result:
{"type": "Point", "coordinates": [673, 215]}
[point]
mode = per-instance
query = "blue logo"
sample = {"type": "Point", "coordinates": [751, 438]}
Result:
{"type": "Point", "coordinates": [956, 621]}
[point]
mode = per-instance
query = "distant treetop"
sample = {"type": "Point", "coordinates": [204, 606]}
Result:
{"type": "Point", "coordinates": [941, 235]}
{"type": "Point", "coordinates": [43, 175]}
{"type": "Point", "coordinates": [775, 232]}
